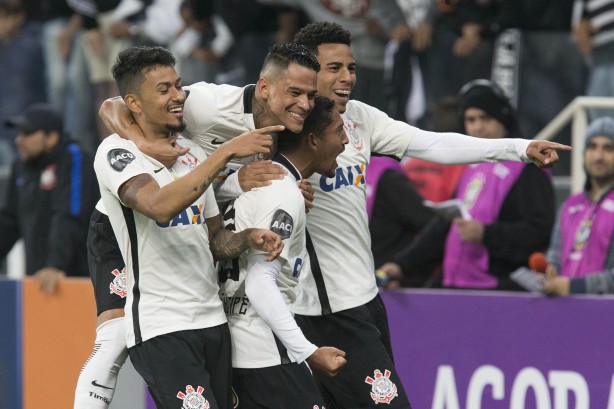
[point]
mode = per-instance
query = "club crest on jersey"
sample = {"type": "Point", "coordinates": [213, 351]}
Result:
{"type": "Point", "coordinates": [190, 161]}
{"type": "Point", "coordinates": [119, 159]}
{"type": "Point", "coordinates": [352, 175]}
{"type": "Point", "coordinates": [193, 398]}
{"type": "Point", "coordinates": [118, 285]}
{"type": "Point", "coordinates": [383, 390]}
{"type": "Point", "coordinates": [49, 178]}
{"type": "Point", "coordinates": [355, 139]}
{"type": "Point", "coordinates": [282, 224]}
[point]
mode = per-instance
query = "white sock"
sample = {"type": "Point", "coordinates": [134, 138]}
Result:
{"type": "Point", "coordinates": [98, 377]}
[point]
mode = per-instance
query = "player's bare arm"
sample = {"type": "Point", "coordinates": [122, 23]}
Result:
{"type": "Point", "coordinates": [143, 193]}
{"type": "Point", "coordinates": [226, 244]}
{"type": "Point", "coordinates": [118, 119]}
{"type": "Point", "coordinates": [544, 153]}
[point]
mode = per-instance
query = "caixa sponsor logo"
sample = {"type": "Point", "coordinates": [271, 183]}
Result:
{"type": "Point", "coordinates": [191, 215]}
{"type": "Point", "coordinates": [529, 389]}
{"type": "Point", "coordinates": [352, 175]}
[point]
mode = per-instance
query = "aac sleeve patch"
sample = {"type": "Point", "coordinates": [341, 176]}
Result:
{"type": "Point", "coordinates": [282, 224]}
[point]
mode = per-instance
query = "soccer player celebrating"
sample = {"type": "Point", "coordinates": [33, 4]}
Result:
{"type": "Point", "coordinates": [269, 349]}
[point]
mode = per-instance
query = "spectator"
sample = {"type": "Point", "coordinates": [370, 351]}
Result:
{"type": "Point", "coordinates": [51, 195]}
{"type": "Point", "coordinates": [406, 57]}
{"type": "Point", "coordinates": [511, 206]}
{"type": "Point", "coordinates": [462, 49]}
{"type": "Point", "coordinates": [395, 209]}
{"type": "Point", "coordinates": [593, 33]}
{"type": "Point", "coordinates": [21, 65]}
{"type": "Point", "coordinates": [581, 256]}
{"type": "Point", "coordinates": [113, 25]}
{"type": "Point", "coordinates": [434, 181]}
{"type": "Point", "coordinates": [256, 27]}
{"type": "Point", "coordinates": [202, 43]}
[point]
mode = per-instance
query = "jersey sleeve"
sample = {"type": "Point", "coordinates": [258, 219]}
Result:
{"type": "Point", "coordinates": [211, 207]}
{"type": "Point", "coordinates": [116, 162]}
{"type": "Point", "coordinates": [388, 136]}
{"type": "Point", "coordinates": [200, 98]}
{"type": "Point", "coordinates": [275, 208]}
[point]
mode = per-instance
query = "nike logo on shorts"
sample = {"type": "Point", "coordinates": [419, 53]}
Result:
{"type": "Point", "coordinates": [215, 141]}
{"type": "Point", "coordinates": [100, 386]}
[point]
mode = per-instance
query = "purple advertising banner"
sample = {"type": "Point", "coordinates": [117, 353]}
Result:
{"type": "Point", "coordinates": [492, 350]}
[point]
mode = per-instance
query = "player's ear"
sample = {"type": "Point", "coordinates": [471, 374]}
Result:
{"type": "Point", "coordinates": [263, 88]}
{"type": "Point", "coordinates": [313, 142]}
{"type": "Point", "coordinates": [133, 103]}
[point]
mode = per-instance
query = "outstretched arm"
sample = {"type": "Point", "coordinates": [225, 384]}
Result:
{"type": "Point", "coordinates": [143, 193]}
{"type": "Point", "coordinates": [453, 148]}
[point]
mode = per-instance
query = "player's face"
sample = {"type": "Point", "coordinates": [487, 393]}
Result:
{"type": "Point", "coordinates": [599, 159]}
{"type": "Point", "coordinates": [162, 98]}
{"type": "Point", "coordinates": [290, 96]}
{"type": "Point", "coordinates": [337, 74]}
{"type": "Point", "coordinates": [32, 145]}
{"type": "Point", "coordinates": [481, 125]}
{"type": "Point", "coordinates": [333, 142]}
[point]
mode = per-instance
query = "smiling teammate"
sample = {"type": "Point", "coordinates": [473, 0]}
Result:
{"type": "Point", "coordinates": [165, 218]}
{"type": "Point", "coordinates": [337, 301]}
{"type": "Point", "coordinates": [214, 114]}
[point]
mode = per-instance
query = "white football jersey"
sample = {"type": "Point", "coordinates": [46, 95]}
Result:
{"type": "Point", "coordinates": [279, 207]}
{"type": "Point", "coordinates": [215, 114]}
{"type": "Point", "coordinates": [341, 272]}
{"type": "Point", "coordinates": [338, 224]}
{"type": "Point", "coordinates": [172, 284]}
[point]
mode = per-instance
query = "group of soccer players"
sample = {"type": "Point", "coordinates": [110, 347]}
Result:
{"type": "Point", "coordinates": [313, 298]}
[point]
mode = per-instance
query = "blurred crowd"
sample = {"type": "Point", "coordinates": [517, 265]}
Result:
{"type": "Point", "coordinates": [413, 59]}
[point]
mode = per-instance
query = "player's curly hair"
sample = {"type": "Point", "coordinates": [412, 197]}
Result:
{"type": "Point", "coordinates": [315, 34]}
{"type": "Point", "coordinates": [282, 55]}
{"type": "Point", "coordinates": [132, 64]}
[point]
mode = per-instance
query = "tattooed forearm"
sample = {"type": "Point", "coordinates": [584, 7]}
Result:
{"type": "Point", "coordinates": [203, 186]}
{"type": "Point", "coordinates": [227, 244]}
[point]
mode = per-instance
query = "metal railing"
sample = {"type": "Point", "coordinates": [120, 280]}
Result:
{"type": "Point", "coordinates": [576, 113]}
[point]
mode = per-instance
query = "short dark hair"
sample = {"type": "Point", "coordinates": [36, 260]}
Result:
{"type": "Point", "coordinates": [132, 64]}
{"type": "Point", "coordinates": [316, 122]}
{"type": "Point", "coordinates": [282, 55]}
{"type": "Point", "coordinates": [323, 32]}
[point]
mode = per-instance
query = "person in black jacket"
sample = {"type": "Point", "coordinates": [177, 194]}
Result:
{"type": "Point", "coordinates": [511, 208]}
{"type": "Point", "coordinates": [51, 194]}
